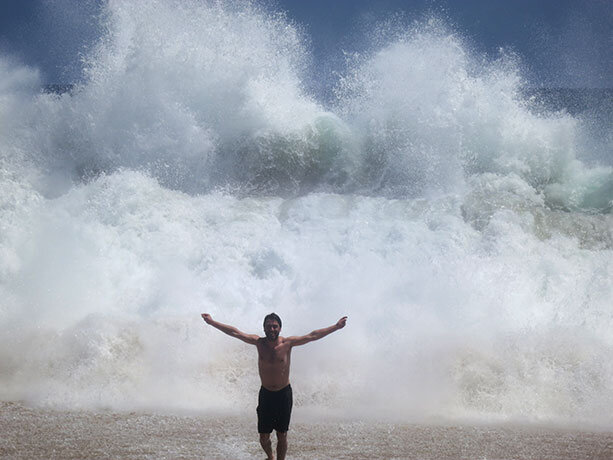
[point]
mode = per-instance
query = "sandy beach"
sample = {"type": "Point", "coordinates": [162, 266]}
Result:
{"type": "Point", "coordinates": [34, 433]}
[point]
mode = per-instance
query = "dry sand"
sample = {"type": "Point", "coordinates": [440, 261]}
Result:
{"type": "Point", "coordinates": [34, 433]}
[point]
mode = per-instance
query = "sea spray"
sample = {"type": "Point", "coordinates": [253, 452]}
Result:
{"type": "Point", "coordinates": [428, 114]}
{"type": "Point", "coordinates": [189, 171]}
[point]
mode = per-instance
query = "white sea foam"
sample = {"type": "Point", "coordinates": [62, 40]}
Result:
{"type": "Point", "coordinates": [190, 172]}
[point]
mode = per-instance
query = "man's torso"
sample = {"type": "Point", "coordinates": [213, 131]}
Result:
{"type": "Point", "coordinates": [274, 363]}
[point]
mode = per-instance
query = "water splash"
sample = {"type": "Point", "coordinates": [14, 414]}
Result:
{"type": "Point", "coordinates": [190, 171]}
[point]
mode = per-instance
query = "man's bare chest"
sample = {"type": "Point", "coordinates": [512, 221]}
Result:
{"type": "Point", "coordinates": [273, 355]}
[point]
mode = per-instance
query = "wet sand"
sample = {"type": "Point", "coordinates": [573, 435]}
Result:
{"type": "Point", "coordinates": [34, 433]}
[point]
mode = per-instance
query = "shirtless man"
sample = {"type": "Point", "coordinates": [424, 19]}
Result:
{"type": "Point", "coordinates": [274, 355]}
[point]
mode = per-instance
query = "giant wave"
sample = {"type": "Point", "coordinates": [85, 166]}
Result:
{"type": "Point", "coordinates": [462, 231]}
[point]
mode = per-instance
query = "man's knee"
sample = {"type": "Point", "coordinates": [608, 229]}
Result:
{"type": "Point", "coordinates": [264, 437]}
{"type": "Point", "coordinates": [281, 435]}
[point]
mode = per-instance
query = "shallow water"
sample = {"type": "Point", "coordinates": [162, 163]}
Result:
{"type": "Point", "coordinates": [31, 433]}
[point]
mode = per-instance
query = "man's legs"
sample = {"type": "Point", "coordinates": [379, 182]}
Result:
{"type": "Point", "coordinates": [266, 444]}
{"type": "Point", "coordinates": [281, 445]}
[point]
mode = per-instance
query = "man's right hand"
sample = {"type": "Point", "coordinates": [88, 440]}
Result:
{"type": "Point", "coordinates": [207, 318]}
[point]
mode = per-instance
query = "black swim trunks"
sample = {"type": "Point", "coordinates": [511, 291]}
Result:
{"type": "Point", "coordinates": [274, 410]}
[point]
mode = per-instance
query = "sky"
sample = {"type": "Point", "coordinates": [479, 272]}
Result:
{"type": "Point", "coordinates": [563, 43]}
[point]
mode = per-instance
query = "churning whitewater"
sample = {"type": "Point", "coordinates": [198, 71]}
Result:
{"type": "Point", "coordinates": [467, 236]}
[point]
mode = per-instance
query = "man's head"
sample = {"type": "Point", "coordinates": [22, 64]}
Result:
{"type": "Point", "coordinates": [272, 326]}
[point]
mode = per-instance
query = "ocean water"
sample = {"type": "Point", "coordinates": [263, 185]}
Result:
{"type": "Point", "coordinates": [464, 226]}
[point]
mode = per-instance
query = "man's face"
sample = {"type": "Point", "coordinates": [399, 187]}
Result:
{"type": "Point", "coordinates": [271, 329]}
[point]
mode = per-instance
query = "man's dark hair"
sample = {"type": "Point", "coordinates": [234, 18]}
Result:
{"type": "Point", "coordinates": [274, 317]}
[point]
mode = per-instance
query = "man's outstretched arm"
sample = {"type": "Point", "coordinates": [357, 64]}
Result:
{"type": "Point", "coordinates": [251, 339]}
{"type": "Point", "coordinates": [317, 334]}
